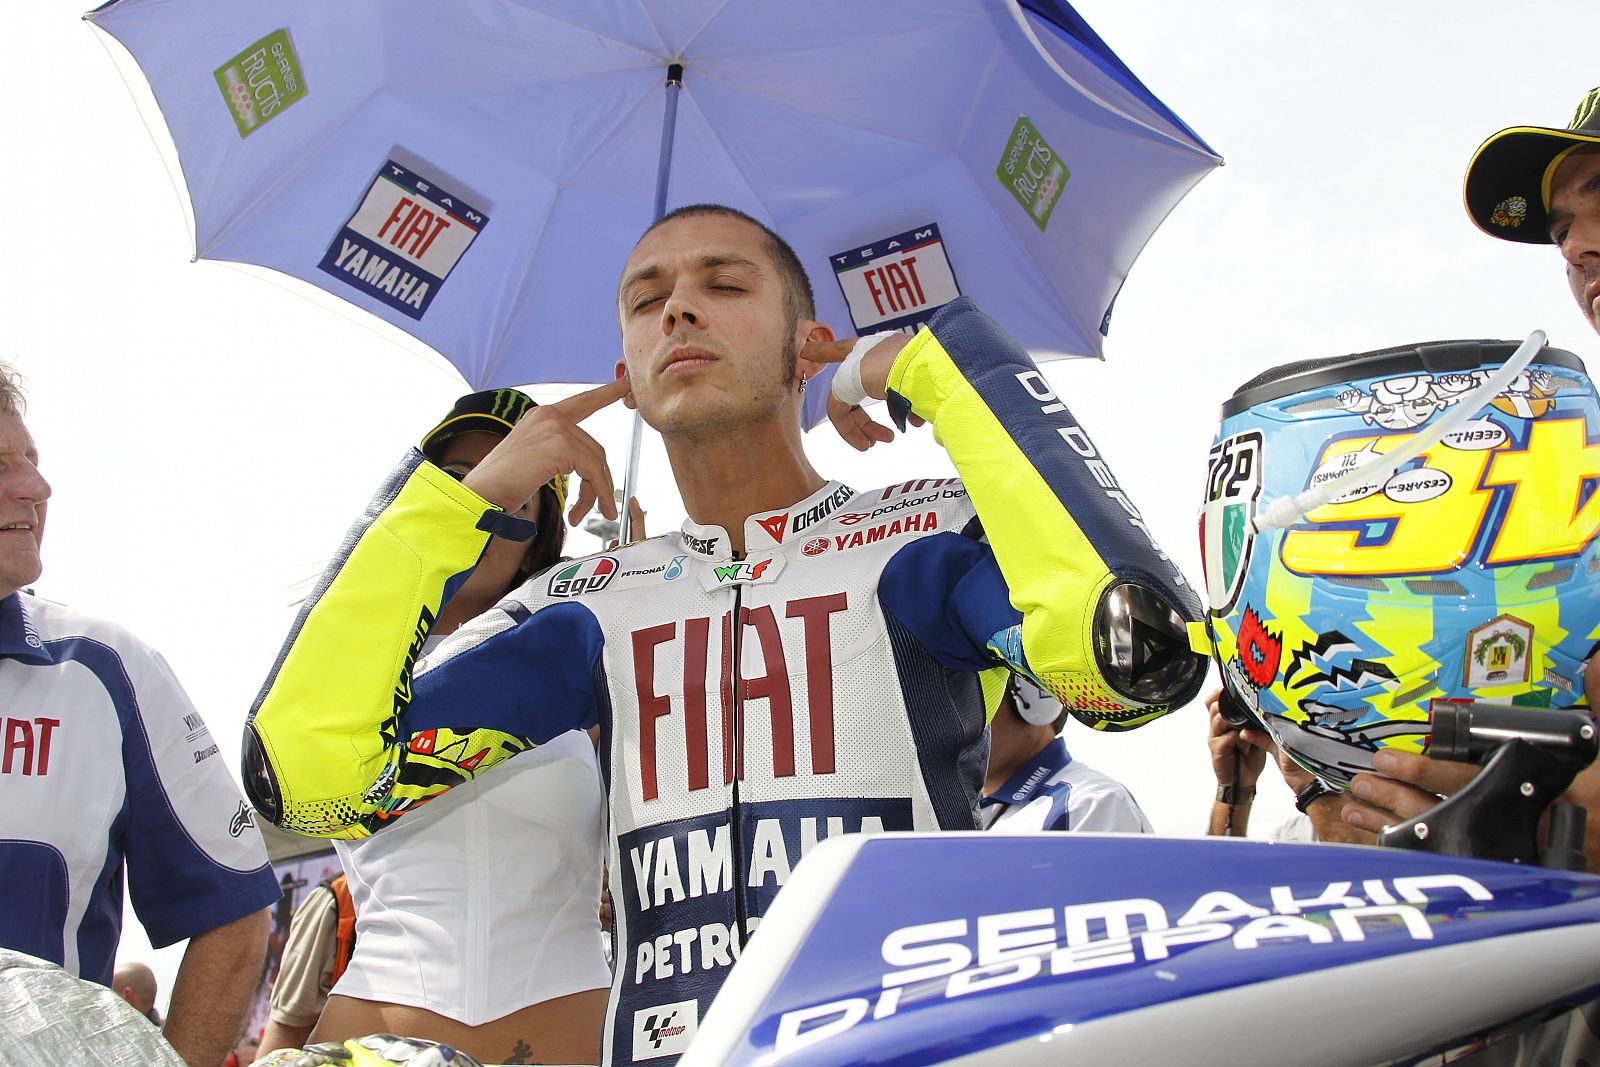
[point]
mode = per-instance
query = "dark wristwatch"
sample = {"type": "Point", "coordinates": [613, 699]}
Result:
{"type": "Point", "coordinates": [1310, 793]}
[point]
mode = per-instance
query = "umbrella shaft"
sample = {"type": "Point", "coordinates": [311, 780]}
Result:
{"type": "Point", "coordinates": [630, 484]}
{"type": "Point", "coordinates": [669, 123]}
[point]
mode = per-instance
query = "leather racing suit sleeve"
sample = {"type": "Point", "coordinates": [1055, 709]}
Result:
{"type": "Point", "coordinates": [1071, 589]}
{"type": "Point", "coordinates": [325, 752]}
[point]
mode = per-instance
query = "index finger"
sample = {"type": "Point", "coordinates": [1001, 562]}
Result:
{"type": "Point", "coordinates": [580, 406]}
{"type": "Point", "coordinates": [828, 351]}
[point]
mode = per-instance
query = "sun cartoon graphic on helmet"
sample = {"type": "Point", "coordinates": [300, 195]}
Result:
{"type": "Point", "coordinates": [1528, 396]}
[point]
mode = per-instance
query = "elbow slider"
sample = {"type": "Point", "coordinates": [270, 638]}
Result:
{"type": "Point", "coordinates": [1141, 645]}
{"type": "Point", "coordinates": [260, 784]}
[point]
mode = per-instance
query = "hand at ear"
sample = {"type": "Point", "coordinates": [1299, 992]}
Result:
{"type": "Point", "coordinates": [627, 398]}
{"type": "Point", "coordinates": [863, 373]}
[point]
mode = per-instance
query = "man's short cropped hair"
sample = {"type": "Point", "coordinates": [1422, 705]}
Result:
{"type": "Point", "coordinates": [798, 300]}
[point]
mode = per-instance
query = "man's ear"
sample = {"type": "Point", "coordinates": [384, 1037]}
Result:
{"type": "Point", "coordinates": [628, 401]}
{"type": "Point", "coordinates": [811, 331]}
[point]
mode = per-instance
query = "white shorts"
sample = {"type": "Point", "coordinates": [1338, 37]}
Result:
{"type": "Point", "coordinates": [487, 899]}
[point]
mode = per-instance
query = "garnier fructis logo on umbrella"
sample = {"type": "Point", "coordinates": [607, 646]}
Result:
{"type": "Point", "coordinates": [261, 81]}
{"type": "Point", "coordinates": [1033, 171]}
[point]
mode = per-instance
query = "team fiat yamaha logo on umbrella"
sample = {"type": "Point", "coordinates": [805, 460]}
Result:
{"type": "Point", "coordinates": [403, 241]}
{"type": "Point", "coordinates": [1233, 482]}
{"type": "Point", "coordinates": [896, 283]}
{"type": "Point", "coordinates": [586, 576]}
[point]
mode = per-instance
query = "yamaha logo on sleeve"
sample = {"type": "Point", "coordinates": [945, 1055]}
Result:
{"type": "Point", "coordinates": [664, 1030]}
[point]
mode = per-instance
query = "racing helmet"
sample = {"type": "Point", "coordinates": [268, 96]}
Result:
{"type": "Point", "coordinates": [374, 1050]}
{"type": "Point", "coordinates": [1384, 529]}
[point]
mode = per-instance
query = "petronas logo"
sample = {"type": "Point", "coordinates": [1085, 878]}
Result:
{"type": "Point", "coordinates": [1586, 110]}
{"type": "Point", "coordinates": [1233, 484]}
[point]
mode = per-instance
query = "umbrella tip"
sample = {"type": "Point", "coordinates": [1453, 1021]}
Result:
{"type": "Point", "coordinates": [675, 74]}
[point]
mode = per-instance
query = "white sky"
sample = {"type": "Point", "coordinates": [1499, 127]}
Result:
{"type": "Point", "coordinates": [210, 434]}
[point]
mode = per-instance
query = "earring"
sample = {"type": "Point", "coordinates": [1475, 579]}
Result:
{"type": "Point", "coordinates": [802, 384]}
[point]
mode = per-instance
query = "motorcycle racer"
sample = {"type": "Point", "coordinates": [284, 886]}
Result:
{"type": "Point", "coordinates": [799, 661]}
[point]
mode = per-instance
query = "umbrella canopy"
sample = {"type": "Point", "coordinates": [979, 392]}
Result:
{"type": "Point", "coordinates": [476, 172]}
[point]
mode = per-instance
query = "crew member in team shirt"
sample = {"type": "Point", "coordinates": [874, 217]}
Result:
{"type": "Point", "coordinates": [1035, 784]}
{"type": "Point", "coordinates": [110, 777]}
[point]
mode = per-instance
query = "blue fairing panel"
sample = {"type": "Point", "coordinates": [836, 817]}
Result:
{"type": "Point", "coordinates": [1005, 939]}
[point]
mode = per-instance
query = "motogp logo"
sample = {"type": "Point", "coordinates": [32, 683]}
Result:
{"type": "Point", "coordinates": [664, 1030]}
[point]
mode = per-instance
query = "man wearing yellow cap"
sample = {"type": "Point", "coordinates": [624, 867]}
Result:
{"type": "Point", "coordinates": [1539, 185]}
{"type": "Point", "coordinates": [1534, 185]}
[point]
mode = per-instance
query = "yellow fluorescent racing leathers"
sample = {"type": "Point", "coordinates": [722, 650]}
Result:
{"type": "Point", "coordinates": [829, 681]}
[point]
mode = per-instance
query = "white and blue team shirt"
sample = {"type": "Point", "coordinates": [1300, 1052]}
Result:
{"type": "Point", "coordinates": [107, 772]}
{"type": "Point", "coordinates": [1053, 791]}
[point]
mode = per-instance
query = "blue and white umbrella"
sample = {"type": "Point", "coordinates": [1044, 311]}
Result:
{"type": "Point", "coordinates": [475, 172]}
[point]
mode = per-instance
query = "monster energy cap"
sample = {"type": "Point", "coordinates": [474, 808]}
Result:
{"type": "Point", "coordinates": [1508, 180]}
{"type": "Point", "coordinates": [487, 411]}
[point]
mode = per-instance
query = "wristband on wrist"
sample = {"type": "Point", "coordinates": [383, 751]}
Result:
{"type": "Point", "coordinates": [1310, 793]}
{"type": "Point", "coordinates": [847, 387]}
{"type": "Point", "coordinates": [1234, 796]}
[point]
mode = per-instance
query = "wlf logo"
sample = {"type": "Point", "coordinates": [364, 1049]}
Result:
{"type": "Point", "coordinates": [741, 572]}
{"type": "Point", "coordinates": [664, 1030]}
{"type": "Point", "coordinates": [583, 577]}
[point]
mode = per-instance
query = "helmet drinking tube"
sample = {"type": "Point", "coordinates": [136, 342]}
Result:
{"type": "Point", "coordinates": [1288, 510]}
